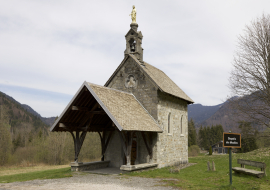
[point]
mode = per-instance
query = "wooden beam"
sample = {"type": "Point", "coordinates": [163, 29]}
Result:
{"type": "Point", "coordinates": [102, 140]}
{"type": "Point", "coordinates": [87, 115]}
{"type": "Point", "coordinates": [67, 125]}
{"type": "Point", "coordinates": [79, 108]}
{"type": "Point", "coordinates": [89, 130]}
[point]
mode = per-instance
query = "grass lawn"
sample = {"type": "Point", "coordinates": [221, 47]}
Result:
{"type": "Point", "coordinates": [11, 170]}
{"type": "Point", "coordinates": [197, 176]}
{"type": "Point", "coordinates": [45, 174]}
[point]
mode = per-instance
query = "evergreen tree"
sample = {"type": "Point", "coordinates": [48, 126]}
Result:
{"type": "Point", "coordinates": [210, 135]}
{"type": "Point", "coordinates": [248, 137]}
{"type": "Point", "coordinates": [200, 137]}
{"type": "Point", "coordinates": [192, 135]}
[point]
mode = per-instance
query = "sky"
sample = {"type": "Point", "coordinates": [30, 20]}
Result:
{"type": "Point", "coordinates": [49, 48]}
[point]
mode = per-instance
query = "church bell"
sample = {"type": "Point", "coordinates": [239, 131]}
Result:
{"type": "Point", "coordinates": [133, 47]}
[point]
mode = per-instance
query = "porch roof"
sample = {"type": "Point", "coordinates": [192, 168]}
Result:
{"type": "Point", "coordinates": [98, 108]}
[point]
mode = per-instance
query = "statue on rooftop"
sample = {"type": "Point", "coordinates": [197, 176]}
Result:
{"type": "Point", "coordinates": [133, 14]}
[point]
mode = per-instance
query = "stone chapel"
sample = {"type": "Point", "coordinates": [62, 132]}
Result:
{"type": "Point", "coordinates": [140, 115]}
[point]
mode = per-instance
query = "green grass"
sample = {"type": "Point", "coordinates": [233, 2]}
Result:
{"type": "Point", "coordinates": [47, 174]}
{"type": "Point", "coordinates": [197, 176]}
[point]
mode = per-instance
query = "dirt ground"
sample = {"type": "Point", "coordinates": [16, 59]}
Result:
{"type": "Point", "coordinates": [85, 181]}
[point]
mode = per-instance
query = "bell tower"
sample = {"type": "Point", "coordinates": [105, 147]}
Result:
{"type": "Point", "coordinates": [134, 42]}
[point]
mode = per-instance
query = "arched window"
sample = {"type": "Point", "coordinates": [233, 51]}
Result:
{"type": "Point", "coordinates": [169, 123]}
{"type": "Point", "coordinates": [181, 124]}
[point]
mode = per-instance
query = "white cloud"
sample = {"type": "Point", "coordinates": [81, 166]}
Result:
{"type": "Point", "coordinates": [56, 45]}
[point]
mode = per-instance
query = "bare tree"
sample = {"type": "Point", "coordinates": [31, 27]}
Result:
{"type": "Point", "coordinates": [250, 77]}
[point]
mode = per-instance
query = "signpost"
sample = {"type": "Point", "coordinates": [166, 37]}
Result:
{"type": "Point", "coordinates": [231, 140]}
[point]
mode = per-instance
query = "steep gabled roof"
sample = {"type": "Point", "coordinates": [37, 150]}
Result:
{"type": "Point", "coordinates": [162, 81]}
{"type": "Point", "coordinates": [122, 108]}
{"type": "Point", "coordinates": [131, 30]}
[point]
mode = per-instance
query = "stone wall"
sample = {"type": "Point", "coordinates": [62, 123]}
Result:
{"type": "Point", "coordinates": [172, 148]}
{"type": "Point", "coordinates": [130, 78]}
{"type": "Point", "coordinates": [168, 149]}
{"type": "Point", "coordinates": [142, 153]}
{"type": "Point", "coordinates": [88, 165]}
{"type": "Point", "coordinates": [114, 152]}
{"type": "Point", "coordinates": [145, 92]}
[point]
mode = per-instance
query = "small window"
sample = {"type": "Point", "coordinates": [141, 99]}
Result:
{"type": "Point", "coordinates": [169, 123]}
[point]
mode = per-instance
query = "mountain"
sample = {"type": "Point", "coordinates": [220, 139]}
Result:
{"type": "Point", "coordinates": [222, 114]}
{"type": "Point", "coordinates": [200, 113]}
{"type": "Point", "coordinates": [17, 107]}
{"type": "Point", "coordinates": [214, 115]}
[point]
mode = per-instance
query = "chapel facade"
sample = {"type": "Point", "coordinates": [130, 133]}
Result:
{"type": "Point", "coordinates": [161, 97]}
{"type": "Point", "coordinates": [140, 115]}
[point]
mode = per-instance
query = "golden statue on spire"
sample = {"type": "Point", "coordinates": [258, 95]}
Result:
{"type": "Point", "coordinates": [133, 14]}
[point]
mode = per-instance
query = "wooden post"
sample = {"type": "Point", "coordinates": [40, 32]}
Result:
{"type": "Point", "coordinates": [208, 166]}
{"type": "Point", "coordinates": [213, 166]}
{"type": "Point", "coordinates": [78, 142]}
{"type": "Point", "coordinates": [264, 169]}
{"type": "Point", "coordinates": [230, 164]}
{"type": "Point", "coordinates": [129, 146]}
{"type": "Point", "coordinates": [102, 140]}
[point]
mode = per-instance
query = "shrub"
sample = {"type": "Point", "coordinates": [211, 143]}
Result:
{"type": "Point", "coordinates": [193, 150]}
{"type": "Point", "coordinates": [210, 150]}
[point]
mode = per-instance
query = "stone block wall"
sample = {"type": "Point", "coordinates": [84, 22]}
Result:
{"type": "Point", "coordinates": [142, 87]}
{"type": "Point", "coordinates": [172, 148]}
{"type": "Point", "coordinates": [114, 152]}
{"type": "Point", "coordinates": [88, 166]}
{"type": "Point", "coordinates": [168, 149]}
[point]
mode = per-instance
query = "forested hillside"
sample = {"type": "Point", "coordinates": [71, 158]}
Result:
{"type": "Point", "coordinates": [48, 120]}
{"type": "Point", "coordinates": [25, 139]}
{"type": "Point", "coordinates": [20, 120]}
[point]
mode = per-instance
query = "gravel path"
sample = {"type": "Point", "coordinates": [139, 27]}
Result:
{"type": "Point", "coordinates": [89, 182]}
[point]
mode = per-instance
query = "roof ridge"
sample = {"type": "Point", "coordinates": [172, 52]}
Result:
{"type": "Point", "coordinates": [150, 71]}
{"type": "Point", "coordinates": [148, 112]}
{"type": "Point", "coordinates": [110, 88]}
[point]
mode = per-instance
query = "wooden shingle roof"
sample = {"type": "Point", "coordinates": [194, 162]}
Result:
{"type": "Point", "coordinates": [162, 81]}
{"type": "Point", "coordinates": [126, 109]}
{"type": "Point", "coordinates": [122, 108]}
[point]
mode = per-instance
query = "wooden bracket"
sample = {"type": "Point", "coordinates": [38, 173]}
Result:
{"type": "Point", "coordinates": [123, 142]}
{"type": "Point", "coordinates": [78, 142]}
{"type": "Point", "coordinates": [126, 141]}
{"type": "Point", "coordinates": [148, 145]}
{"type": "Point", "coordinates": [104, 142]}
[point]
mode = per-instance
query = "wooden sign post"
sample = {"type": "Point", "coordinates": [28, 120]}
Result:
{"type": "Point", "coordinates": [231, 140]}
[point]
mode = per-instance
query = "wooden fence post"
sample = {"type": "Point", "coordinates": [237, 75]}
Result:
{"type": "Point", "coordinates": [208, 166]}
{"type": "Point", "coordinates": [213, 166]}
